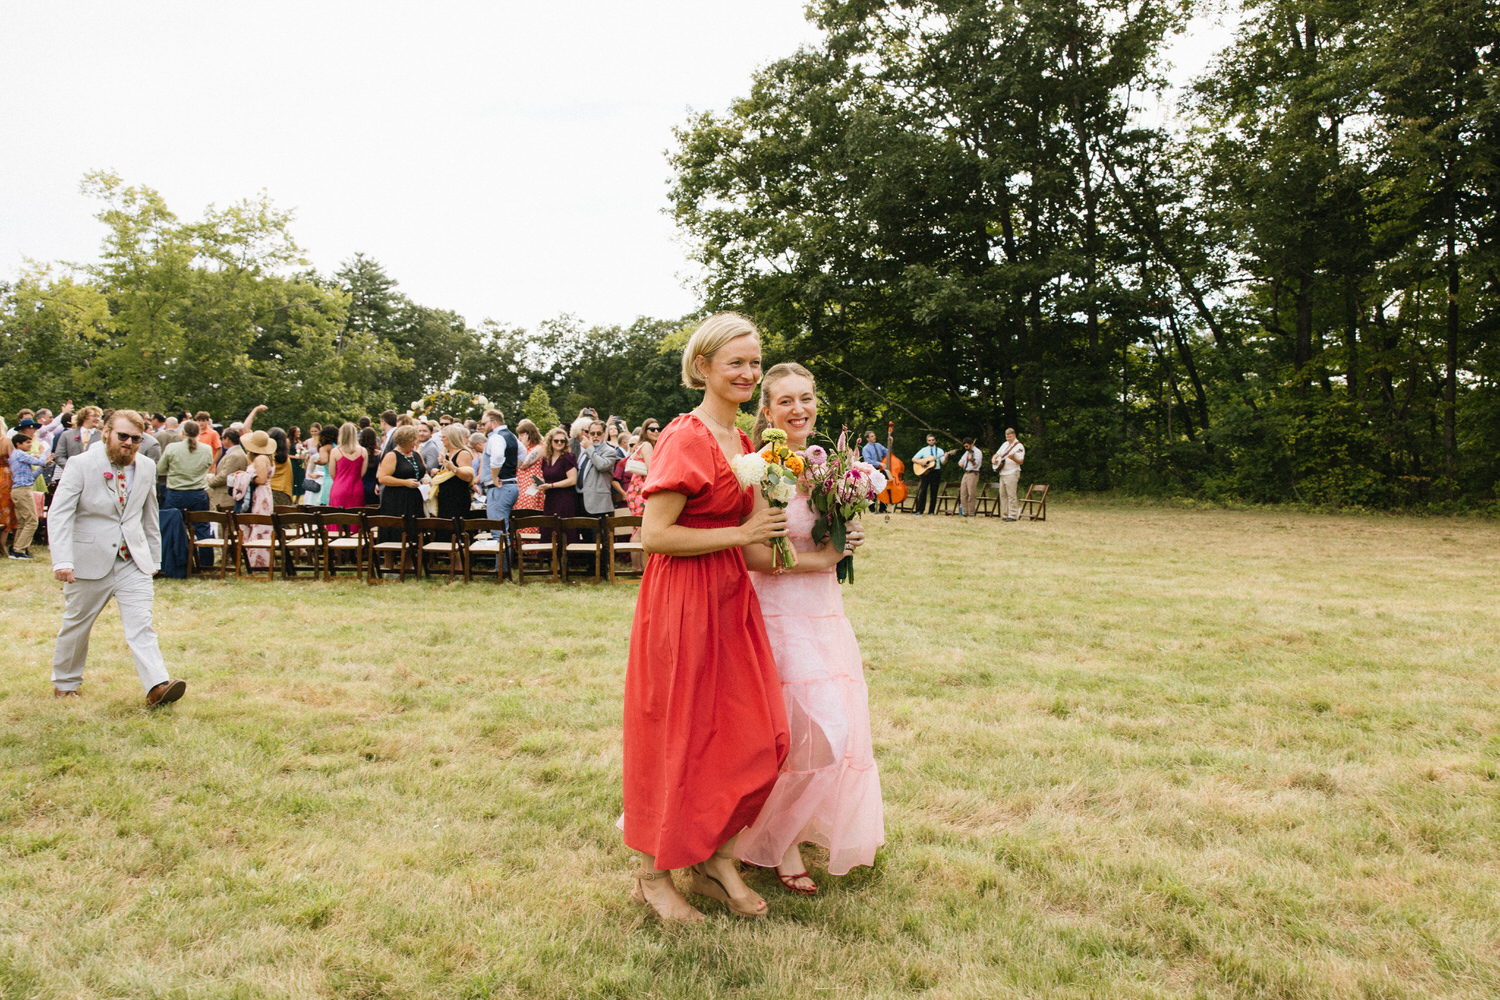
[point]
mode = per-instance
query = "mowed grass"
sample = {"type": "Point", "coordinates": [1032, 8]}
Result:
{"type": "Point", "coordinates": [1128, 752]}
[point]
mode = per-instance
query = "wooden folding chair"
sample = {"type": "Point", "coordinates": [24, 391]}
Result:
{"type": "Point", "coordinates": [484, 538]}
{"type": "Point", "coordinates": [1034, 504]}
{"type": "Point", "coordinates": [621, 527]}
{"type": "Point", "coordinates": [987, 502]}
{"type": "Point", "coordinates": [247, 545]}
{"type": "Point", "coordinates": [594, 549]}
{"type": "Point", "coordinates": [408, 546]}
{"type": "Point", "coordinates": [343, 531]}
{"type": "Point", "coordinates": [947, 501]}
{"type": "Point", "coordinates": [226, 541]}
{"type": "Point", "coordinates": [300, 535]}
{"type": "Point", "coordinates": [533, 557]}
{"type": "Point", "coordinates": [432, 547]}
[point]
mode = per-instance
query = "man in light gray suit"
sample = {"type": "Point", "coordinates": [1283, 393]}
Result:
{"type": "Point", "coordinates": [105, 539]}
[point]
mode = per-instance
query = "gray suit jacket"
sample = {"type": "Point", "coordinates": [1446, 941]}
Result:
{"type": "Point", "coordinates": [84, 523]}
{"type": "Point", "coordinates": [597, 498]}
{"type": "Point", "coordinates": [73, 441]}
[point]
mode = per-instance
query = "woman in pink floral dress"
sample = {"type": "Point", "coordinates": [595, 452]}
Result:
{"type": "Point", "coordinates": [828, 791]}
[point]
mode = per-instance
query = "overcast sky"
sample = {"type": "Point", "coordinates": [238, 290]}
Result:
{"type": "Point", "coordinates": [501, 159]}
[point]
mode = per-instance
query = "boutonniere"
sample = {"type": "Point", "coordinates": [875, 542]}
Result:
{"type": "Point", "coordinates": [109, 475]}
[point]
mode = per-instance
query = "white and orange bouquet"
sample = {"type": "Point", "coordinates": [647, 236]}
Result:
{"type": "Point", "coordinates": [774, 469]}
{"type": "Point", "coordinates": [840, 488]}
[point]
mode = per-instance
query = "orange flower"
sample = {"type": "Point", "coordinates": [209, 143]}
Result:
{"type": "Point", "coordinates": [794, 465]}
{"type": "Point", "coordinates": [768, 453]}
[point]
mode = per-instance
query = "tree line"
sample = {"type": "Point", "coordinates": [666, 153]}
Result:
{"type": "Point", "coordinates": [961, 217]}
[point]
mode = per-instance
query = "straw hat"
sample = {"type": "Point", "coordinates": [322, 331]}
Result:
{"type": "Point", "coordinates": [258, 443]}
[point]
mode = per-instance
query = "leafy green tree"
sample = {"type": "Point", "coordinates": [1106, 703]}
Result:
{"type": "Point", "coordinates": [51, 332]}
{"type": "Point", "coordinates": [921, 203]}
{"type": "Point", "coordinates": [538, 410]}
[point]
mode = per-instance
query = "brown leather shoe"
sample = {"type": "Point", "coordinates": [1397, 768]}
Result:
{"type": "Point", "coordinates": [165, 693]}
{"type": "Point", "coordinates": [60, 693]}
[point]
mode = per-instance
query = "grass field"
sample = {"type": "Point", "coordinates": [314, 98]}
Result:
{"type": "Point", "coordinates": [1128, 752]}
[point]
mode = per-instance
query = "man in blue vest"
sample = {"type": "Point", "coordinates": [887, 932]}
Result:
{"type": "Point", "coordinates": [497, 470]}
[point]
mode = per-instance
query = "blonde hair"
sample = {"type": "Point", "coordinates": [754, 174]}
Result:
{"type": "Point", "coordinates": [130, 416]}
{"type": "Point", "coordinates": [456, 436]}
{"type": "Point", "coordinates": [773, 375]}
{"type": "Point", "coordinates": [712, 334]}
{"type": "Point", "coordinates": [348, 436]}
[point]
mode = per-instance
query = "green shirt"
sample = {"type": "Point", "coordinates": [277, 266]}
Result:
{"type": "Point", "coordinates": [185, 470]}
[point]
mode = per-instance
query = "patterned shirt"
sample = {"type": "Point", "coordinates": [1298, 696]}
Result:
{"type": "Point", "coordinates": [24, 468]}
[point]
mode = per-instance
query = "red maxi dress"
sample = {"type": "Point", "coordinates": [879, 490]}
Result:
{"type": "Point", "coordinates": [705, 724]}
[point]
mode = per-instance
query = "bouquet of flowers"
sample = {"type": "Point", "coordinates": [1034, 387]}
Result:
{"type": "Point", "coordinates": [774, 469]}
{"type": "Point", "coordinates": [840, 489]}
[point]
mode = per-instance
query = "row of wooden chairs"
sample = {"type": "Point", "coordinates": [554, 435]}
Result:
{"type": "Point", "coordinates": [327, 541]}
{"type": "Point", "coordinates": [987, 501]}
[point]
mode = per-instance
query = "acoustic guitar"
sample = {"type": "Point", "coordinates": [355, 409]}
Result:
{"type": "Point", "coordinates": [921, 466]}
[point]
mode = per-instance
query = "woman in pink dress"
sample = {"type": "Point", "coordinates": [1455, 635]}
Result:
{"type": "Point", "coordinates": [635, 482]}
{"type": "Point", "coordinates": [829, 788]}
{"type": "Point", "coordinates": [262, 449]}
{"type": "Point", "coordinates": [349, 459]}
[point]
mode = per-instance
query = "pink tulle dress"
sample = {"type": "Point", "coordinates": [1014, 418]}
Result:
{"type": "Point", "coordinates": [828, 791]}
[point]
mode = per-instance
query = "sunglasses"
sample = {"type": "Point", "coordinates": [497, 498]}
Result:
{"type": "Point", "coordinates": [129, 438]}
{"type": "Point", "coordinates": [653, 428]}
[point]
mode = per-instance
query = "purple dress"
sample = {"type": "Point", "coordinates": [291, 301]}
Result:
{"type": "Point", "coordinates": [562, 501]}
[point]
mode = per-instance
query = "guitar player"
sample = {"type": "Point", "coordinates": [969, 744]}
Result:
{"type": "Point", "coordinates": [928, 465]}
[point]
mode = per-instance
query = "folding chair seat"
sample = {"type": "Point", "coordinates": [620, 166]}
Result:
{"type": "Point", "coordinates": [593, 550]}
{"type": "Point", "coordinates": [407, 546]}
{"type": "Point", "coordinates": [485, 538]}
{"type": "Point", "coordinates": [344, 531]}
{"type": "Point", "coordinates": [433, 546]}
{"type": "Point", "coordinates": [987, 502]}
{"type": "Point", "coordinates": [1033, 506]}
{"type": "Point", "coordinates": [621, 527]}
{"type": "Point", "coordinates": [536, 557]}
{"type": "Point", "coordinates": [300, 537]}
{"type": "Point", "coordinates": [267, 543]}
{"type": "Point", "coordinates": [225, 540]}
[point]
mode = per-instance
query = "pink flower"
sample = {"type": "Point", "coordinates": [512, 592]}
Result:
{"type": "Point", "coordinates": [816, 455]}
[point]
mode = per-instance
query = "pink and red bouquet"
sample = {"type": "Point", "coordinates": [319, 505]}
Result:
{"type": "Point", "coordinates": [840, 488]}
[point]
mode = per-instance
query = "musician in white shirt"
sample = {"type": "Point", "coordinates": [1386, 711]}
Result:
{"type": "Point", "coordinates": [970, 460]}
{"type": "Point", "coordinates": [1007, 462]}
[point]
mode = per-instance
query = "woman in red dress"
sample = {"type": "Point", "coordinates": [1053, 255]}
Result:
{"type": "Point", "coordinates": [705, 727]}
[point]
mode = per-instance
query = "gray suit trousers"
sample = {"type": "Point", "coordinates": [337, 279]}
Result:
{"type": "Point", "coordinates": [83, 600]}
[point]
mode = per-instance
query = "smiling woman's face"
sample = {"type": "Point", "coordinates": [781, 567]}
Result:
{"type": "Point", "coordinates": [793, 407]}
{"type": "Point", "coordinates": [734, 370]}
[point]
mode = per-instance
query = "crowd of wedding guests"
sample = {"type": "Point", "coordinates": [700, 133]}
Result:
{"type": "Point", "coordinates": [403, 465]}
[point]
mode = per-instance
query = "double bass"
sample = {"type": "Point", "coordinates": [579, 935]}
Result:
{"type": "Point", "coordinates": [895, 487]}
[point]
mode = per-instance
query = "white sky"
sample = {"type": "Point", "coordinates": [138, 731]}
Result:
{"type": "Point", "coordinates": [501, 159]}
